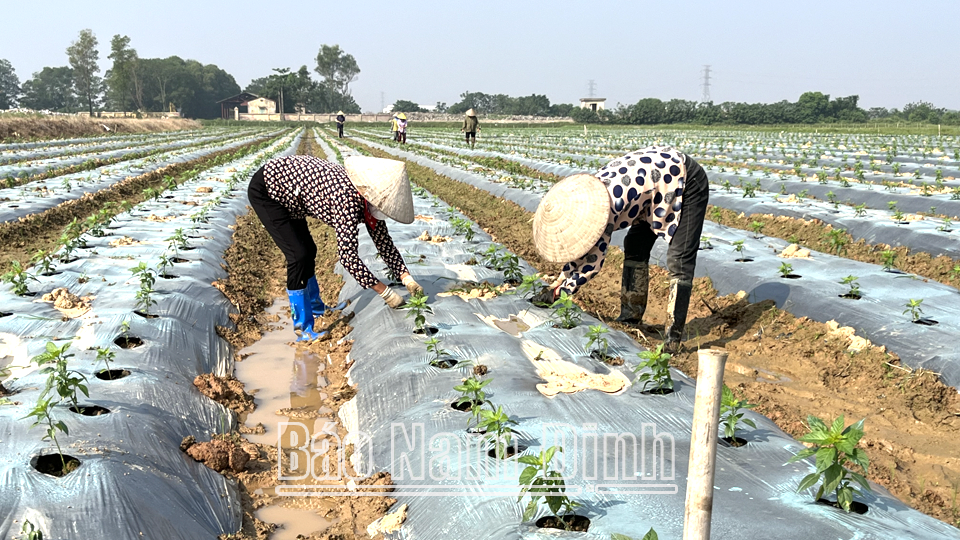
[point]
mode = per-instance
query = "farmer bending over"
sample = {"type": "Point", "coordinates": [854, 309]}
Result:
{"type": "Point", "coordinates": [366, 190]}
{"type": "Point", "coordinates": [656, 192]}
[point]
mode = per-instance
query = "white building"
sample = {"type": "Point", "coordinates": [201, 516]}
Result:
{"type": "Point", "coordinates": [594, 104]}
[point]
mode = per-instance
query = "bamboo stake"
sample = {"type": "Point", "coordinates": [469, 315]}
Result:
{"type": "Point", "coordinates": [698, 509]}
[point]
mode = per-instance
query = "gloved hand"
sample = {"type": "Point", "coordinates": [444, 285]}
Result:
{"type": "Point", "coordinates": [391, 298]}
{"type": "Point", "coordinates": [412, 286]}
{"type": "Point", "coordinates": [545, 297]}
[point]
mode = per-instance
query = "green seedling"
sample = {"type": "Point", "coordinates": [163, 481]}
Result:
{"type": "Point", "coordinates": [566, 314]}
{"type": "Point", "coordinates": [851, 281]}
{"type": "Point", "coordinates": [148, 278]}
{"type": "Point", "coordinates": [471, 392]}
{"type": "Point", "coordinates": [492, 257]}
{"type": "Point", "coordinates": [913, 308]}
{"type": "Point", "coordinates": [595, 335]}
{"type": "Point", "coordinates": [860, 210]}
{"type": "Point", "coordinates": [837, 240]}
{"type": "Point", "coordinates": [731, 415]}
{"type": "Point", "coordinates": [705, 242]}
{"type": "Point", "coordinates": [651, 535]}
{"type": "Point", "coordinates": [496, 427]}
{"type": "Point", "coordinates": [18, 278]}
{"type": "Point", "coordinates": [955, 194]}
{"type": "Point", "coordinates": [512, 271]}
{"type": "Point", "coordinates": [462, 226]}
{"type": "Point", "coordinates": [786, 269]}
{"type": "Point", "coordinates": [832, 197]}
{"type": "Point", "coordinates": [163, 263]}
{"type": "Point", "coordinates": [658, 364]}
{"type": "Point", "coordinates": [802, 195]}
{"type": "Point", "coordinates": [66, 185]}
{"type": "Point", "coordinates": [417, 307]}
{"type": "Point", "coordinates": [834, 448]}
{"type": "Point", "coordinates": [43, 261]}
{"type": "Point", "coordinates": [822, 177]}
{"type": "Point", "coordinates": [30, 532]}
{"type": "Point", "coordinates": [529, 284]}
{"type": "Point", "coordinates": [945, 225]}
{"type": "Point", "coordinates": [727, 186]}
{"type": "Point", "coordinates": [757, 227]}
{"type": "Point", "coordinates": [888, 259]}
{"type": "Point", "coordinates": [738, 247]}
{"type": "Point", "coordinates": [64, 384]}
{"type": "Point", "coordinates": [898, 216]}
{"type": "Point", "coordinates": [178, 241]}
{"type": "Point", "coordinates": [433, 347]}
{"type": "Point", "coordinates": [541, 482]}
{"type": "Point", "coordinates": [896, 169]}
{"type": "Point", "coordinates": [717, 215]}
{"type": "Point", "coordinates": [106, 356]}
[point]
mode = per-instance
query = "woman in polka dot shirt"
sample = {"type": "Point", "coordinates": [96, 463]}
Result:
{"type": "Point", "coordinates": [656, 192]}
{"type": "Point", "coordinates": [288, 189]}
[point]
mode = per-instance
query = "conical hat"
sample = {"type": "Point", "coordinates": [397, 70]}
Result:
{"type": "Point", "coordinates": [571, 218]}
{"type": "Point", "coordinates": [339, 112]}
{"type": "Point", "coordinates": [402, 116]}
{"type": "Point", "coordinates": [384, 184]}
{"type": "Point", "coordinates": [471, 112]}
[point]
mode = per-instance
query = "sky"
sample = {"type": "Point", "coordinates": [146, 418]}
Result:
{"type": "Point", "coordinates": [889, 53]}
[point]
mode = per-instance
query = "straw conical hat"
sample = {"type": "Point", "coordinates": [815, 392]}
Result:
{"type": "Point", "coordinates": [384, 184]}
{"type": "Point", "coordinates": [339, 112]}
{"type": "Point", "coordinates": [402, 116]}
{"type": "Point", "coordinates": [471, 112]}
{"type": "Point", "coordinates": [571, 218]}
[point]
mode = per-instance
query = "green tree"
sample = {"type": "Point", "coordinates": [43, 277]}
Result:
{"type": "Point", "coordinates": [124, 88]}
{"type": "Point", "coordinates": [9, 85]}
{"type": "Point", "coordinates": [337, 68]}
{"type": "Point", "coordinates": [50, 89]}
{"type": "Point", "coordinates": [402, 105]}
{"type": "Point", "coordinates": [812, 107]}
{"type": "Point", "coordinates": [83, 55]}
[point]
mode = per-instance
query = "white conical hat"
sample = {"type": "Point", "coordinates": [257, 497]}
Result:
{"type": "Point", "coordinates": [339, 112]}
{"type": "Point", "coordinates": [384, 184]}
{"type": "Point", "coordinates": [571, 218]}
{"type": "Point", "coordinates": [471, 112]}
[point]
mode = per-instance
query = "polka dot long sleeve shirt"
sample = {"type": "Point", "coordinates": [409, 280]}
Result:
{"type": "Point", "coordinates": [645, 186]}
{"type": "Point", "coordinates": [307, 185]}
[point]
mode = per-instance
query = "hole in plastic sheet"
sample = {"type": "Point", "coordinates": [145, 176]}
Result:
{"type": "Point", "coordinates": [187, 248]}
{"type": "Point", "coordinates": [53, 464]}
{"type": "Point", "coordinates": [606, 359]}
{"type": "Point", "coordinates": [128, 342]}
{"type": "Point", "coordinates": [702, 248]}
{"type": "Point", "coordinates": [5, 314]}
{"type": "Point", "coordinates": [792, 276]}
{"type": "Point", "coordinates": [30, 293]}
{"type": "Point", "coordinates": [111, 374]}
{"type": "Point", "coordinates": [71, 259]}
{"type": "Point", "coordinates": [146, 315]}
{"type": "Point", "coordinates": [925, 321]}
{"type": "Point", "coordinates": [569, 523]}
{"type": "Point", "coordinates": [902, 222]}
{"type": "Point", "coordinates": [462, 407]}
{"type": "Point", "coordinates": [511, 451]}
{"type": "Point", "coordinates": [480, 370]}
{"type": "Point", "coordinates": [849, 296]}
{"type": "Point", "coordinates": [444, 363]}
{"type": "Point", "coordinates": [50, 274]}
{"type": "Point", "coordinates": [658, 391]}
{"type": "Point", "coordinates": [476, 431]}
{"type": "Point", "coordinates": [179, 260]}
{"type": "Point", "coordinates": [855, 507]}
{"type": "Point", "coordinates": [894, 271]}
{"type": "Point", "coordinates": [743, 259]}
{"type": "Point", "coordinates": [90, 410]}
{"type": "Point", "coordinates": [169, 276]}
{"type": "Point", "coordinates": [427, 330]}
{"type": "Point", "coordinates": [735, 442]}
{"type": "Point", "coordinates": [14, 206]}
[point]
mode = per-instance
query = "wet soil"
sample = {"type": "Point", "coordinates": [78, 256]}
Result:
{"type": "Point", "coordinates": [226, 391]}
{"type": "Point", "coordinates": [790, 367]}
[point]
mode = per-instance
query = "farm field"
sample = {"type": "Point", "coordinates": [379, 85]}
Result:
{"type": "Point", "coordinates": [134, 267]}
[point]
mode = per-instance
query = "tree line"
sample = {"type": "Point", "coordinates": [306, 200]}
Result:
{"type": "Point", "coordinates": [159, 84]}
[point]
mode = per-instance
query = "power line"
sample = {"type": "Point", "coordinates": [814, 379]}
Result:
{"type": "Point", "coordinates": [705, 97]}
{"type": "Point", "coordinates": [591, 88]}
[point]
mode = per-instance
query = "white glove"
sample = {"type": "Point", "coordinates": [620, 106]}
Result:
{"type": "Point", "coordinates": [412, 286]}
{"type": "Point", "coordinates": [391, 298]}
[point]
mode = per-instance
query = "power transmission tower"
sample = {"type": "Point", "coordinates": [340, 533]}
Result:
{"type": "Point", "coordinates": [705, 98]}
{"type": "Point", "coordinates": [591, 88]}
{"type": "Point", "coordinates": [383, 104]}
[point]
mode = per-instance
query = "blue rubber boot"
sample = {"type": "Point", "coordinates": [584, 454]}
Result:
{"type": "Point", "coordinates": [302, 315]}
{"type": "Point", "coordinates": [313, 292]}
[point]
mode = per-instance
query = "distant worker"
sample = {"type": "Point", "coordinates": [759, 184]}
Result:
{"type": "Point", "coordinates": [340, 120]}
{"type": "Point", "coordinates": [395, 127]}
{"type": "Point", "coordinates": [402, 128]}
{"type": "Point", "coordinates": [656, 192]}
{"type": "Point", "coordinates": [364, 190]}
{"type": "Point", "coordinates": [470, 127]}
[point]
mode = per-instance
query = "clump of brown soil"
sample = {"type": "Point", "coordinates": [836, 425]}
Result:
{"type": "Point", "coordinates": [68, 303]}
{"type": "Point", "coordinates": [123, 241]}
{"type": "Point", "coordinates": [204, 189]}
{"type": "Point", "coordinates": [438, 239]}
{"type": "Point", "coordinates": [220, 454]}
{"type": "Point", "coordinates": [226, 391]}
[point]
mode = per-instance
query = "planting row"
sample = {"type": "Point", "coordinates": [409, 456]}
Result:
{"type": "Point", "coordinates": [104, 340]}
{"type": "Point", "coordinates": [523, 399]}
{"type": "Point", "coordinates": [90, 145]}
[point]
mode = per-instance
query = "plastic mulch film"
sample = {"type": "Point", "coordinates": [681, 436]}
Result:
{"type": "Point", "coordinates": [401, 421]}
{"type": "Point", "coordinates": [133, 481]}
{"type": "Point", "coordinates": [878, 315]}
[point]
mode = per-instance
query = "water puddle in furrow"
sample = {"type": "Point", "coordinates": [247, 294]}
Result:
{"type": "Point", "coordinates": [283, 378]}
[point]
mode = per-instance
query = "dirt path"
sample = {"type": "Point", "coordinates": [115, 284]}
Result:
{"type": "Point", "coordinates": [790, 367]}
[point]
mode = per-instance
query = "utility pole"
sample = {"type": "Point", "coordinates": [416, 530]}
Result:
{"type": "Point", "coordinates": [281, 104]}
{"type": "Point", "coordinates": [705, 97]}
{"type": "Point", "coordinates": [591, 88]}
{"type": "Point", "coordinates": [383, 103]}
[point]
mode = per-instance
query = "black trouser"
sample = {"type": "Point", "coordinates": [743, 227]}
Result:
{"type": "Point", "coordinates": [340, 130]}
{"type": "Point", "coordinates": [291, 235]}
{"type": "Point", "coordinates": [470, 135]}
{"type": "Point", "coordinates": [682, 253]}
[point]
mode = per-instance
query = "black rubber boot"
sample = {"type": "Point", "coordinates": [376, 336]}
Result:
{"type": "Point", "coordinates": [633, 292]}
{"type": "Point", "coordinates": [677, 307]}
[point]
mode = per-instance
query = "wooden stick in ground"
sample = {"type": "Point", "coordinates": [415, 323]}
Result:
{"type": "Point", "coordinates": [703, 445]}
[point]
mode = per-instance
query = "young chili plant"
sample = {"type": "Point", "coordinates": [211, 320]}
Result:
{"type": "Point", "coordinates": [658, 364]}
{"type": "Point", "coordinates": [834, 448]}
{"type": "Point", "coordinates": [731, 415]}
{"type": "Point", "coordinates": [18, 278]}
{"type": "Point", "coordinates": [851, 281]}
{"type": "Point", "coordinates": [566, 314]}
{"type": "Point", "coordinates": [495, 423]}
{"type": "Point", "coordinates": [417, 307]}
{"type": "Point", "coordinates": [545, 485]}
{"type": "Point", "coordinates": [913, 308]}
